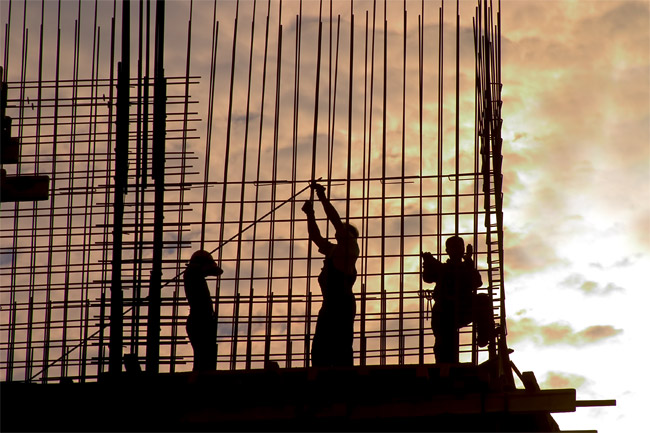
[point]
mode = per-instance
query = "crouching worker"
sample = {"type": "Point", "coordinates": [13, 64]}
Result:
{"type": "Point", "coordinates": [332, 343]}
{"type": "Point", "coordinates": [456, 303]}
{"type": "Point", "coordinates": [201, 323]}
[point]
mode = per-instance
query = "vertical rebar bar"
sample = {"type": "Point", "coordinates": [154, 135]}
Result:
{"type": "Point", "coordinates": [210, 115]}
{"type": "Point", "coordinates": [52, 198]}
{"type": "Point", "coordinates": [141, 161]}
{"type": "Point", "coordinates": [402, 209]}
{"type": "Point", "coordinates": [476, 176]}
{"type": "Point", "coordinates": [23, 66]}
{"type": "Point", "coordinates": [331, 130]}
{"type": "Point", "coordinates": [249, 330]}
{"type": "Point", "coordinates": [7, 46]}
{"type": "Point", "coordinates": [120, 185]}
{"type": "Point", "coordinates": [269, 329]}
{"type": "Point", "coordinates": [90, 182]}
{"type": "Point", "coordinates": [257, 176]}
{"type": "Point", "coordinates": [35, 205]}
{"type": "Point", "coordinates": [3, 77]}
{"type": "Point", "coordinates": [440, 126]}
{"type": "Point", "coordinates": [457, 158]}
{"type": "Point", "coordinates": [184, 139]}
{"type": "Point", "coordinates": [350, 85]}
{"type": "Point", "coordinates": [420, 154]}
{"type": "Point", "coordinates": [235, 331]}
{"type": "Point", "coordinates": [315, 130]}
{"type": "Point", "coordinates": [147, 80]}
{"type": "Point", "coordinates": [71, 183]}
{"type": "Point", "coordinates": [364, 226]}
{"type": "Point", "coordinates": [269, 287]}
{"type": "Point", "coordinates": [158, 173]}
{"type": "Point", "coordinates": [382, 337]}
{"type": "Point", "coordinates": [109, 166]}
{"type": "Point", "coordinates": [294, 163]}
{"type": "Point", "coordinates": [226, 158]}
{"type": "Point", "coordinates": [307, 336]}
{"type": "Point", "coordinates": [84, 356]}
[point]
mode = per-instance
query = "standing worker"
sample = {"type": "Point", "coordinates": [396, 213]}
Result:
{"type": "Point", "coordinates": [201, 323]}
{"type": "Point", "coordinates": [332, 343]}
{"type": "Point", "coordinates": [454, 296]}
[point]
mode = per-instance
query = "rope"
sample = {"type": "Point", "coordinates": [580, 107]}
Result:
{"type": "Point", "coordinates": [173, 279]}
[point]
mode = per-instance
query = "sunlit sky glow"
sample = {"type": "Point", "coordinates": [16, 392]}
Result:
{"type": "Point", "coordinates": [576, 107]}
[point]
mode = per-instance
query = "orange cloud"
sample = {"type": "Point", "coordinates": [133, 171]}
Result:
{"type": "Point", "coordinates": [555, 380]}
{"type": "Point", "coordinates": [595, 333]}
{"type": "Point", "coordinates": [557, 333]}
{"type": "Point", "coordinates": [529, 252]}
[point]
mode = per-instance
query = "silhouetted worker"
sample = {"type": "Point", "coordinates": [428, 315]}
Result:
{"type": "Point", "coordinates": [454, 296]}
{"type": "Point", "coordinates": [201, 323]}
{"type": "Point", "coordinates": [332, 343]}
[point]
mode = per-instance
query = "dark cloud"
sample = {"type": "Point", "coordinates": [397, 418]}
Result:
{"type": "Point", "coordinates": [6, 257]}
{"type": "Point", "coordinates": [557, 333]}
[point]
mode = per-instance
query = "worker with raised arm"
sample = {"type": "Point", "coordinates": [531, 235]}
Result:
{"type": "Point", "coordinates": [332, 343]}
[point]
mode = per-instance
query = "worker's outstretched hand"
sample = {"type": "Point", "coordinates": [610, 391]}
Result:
{"type": "Point", "coordinates": [308, 207]}
{"type": "Point", "coordinates": [427, 258]}
{"type": "Point", "coordinates": [469, 253]}
{"type": "Point", "coordinates": [318, 188]}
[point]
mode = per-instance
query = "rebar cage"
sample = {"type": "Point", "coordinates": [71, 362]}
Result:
{"type": "Point", "coordinates": [258, 98]}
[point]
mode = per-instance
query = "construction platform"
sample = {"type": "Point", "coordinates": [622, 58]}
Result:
{"type": "Point", "coordinates": [430, 397]}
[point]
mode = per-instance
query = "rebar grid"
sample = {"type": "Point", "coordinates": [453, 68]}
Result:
{"type": "Point", "coordinates": [274, 120]}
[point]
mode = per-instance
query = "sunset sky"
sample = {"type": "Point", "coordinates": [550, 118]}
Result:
{"type": "Point", "coordinates": [576, 130]}
{"type": "Point", "coordinates": [576, 119]}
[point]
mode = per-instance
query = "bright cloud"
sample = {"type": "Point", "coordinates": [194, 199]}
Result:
{"type": "Point", "coordinates": [557, 333]}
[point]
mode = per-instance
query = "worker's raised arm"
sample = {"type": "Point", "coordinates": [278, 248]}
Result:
{"type": "Point", "coordinates": [330, 211]}
{"type": "Point", "coordinates": [430, 268]}
{"type": "Point", "coordinates": [312, 227]}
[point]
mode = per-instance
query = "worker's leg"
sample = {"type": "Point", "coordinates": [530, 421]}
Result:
{"type": "Point", "coordinates": [343, 332]}
{"type": "Point", "coordinates": [483, 320]}
{"type": "Point", "coordinates": [446, 335]}
{"type": "Point", "coordinates": [203, 333]}
{"type": "Point", "coordinates": [321, 343]}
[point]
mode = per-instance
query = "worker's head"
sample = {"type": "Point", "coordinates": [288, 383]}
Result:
{"type": "Point", "coordinates": [203, 261]}
{"type": "Point", "coordinates": [352, 231]}
{"type": "Point", "coordinates": [455, 247]}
